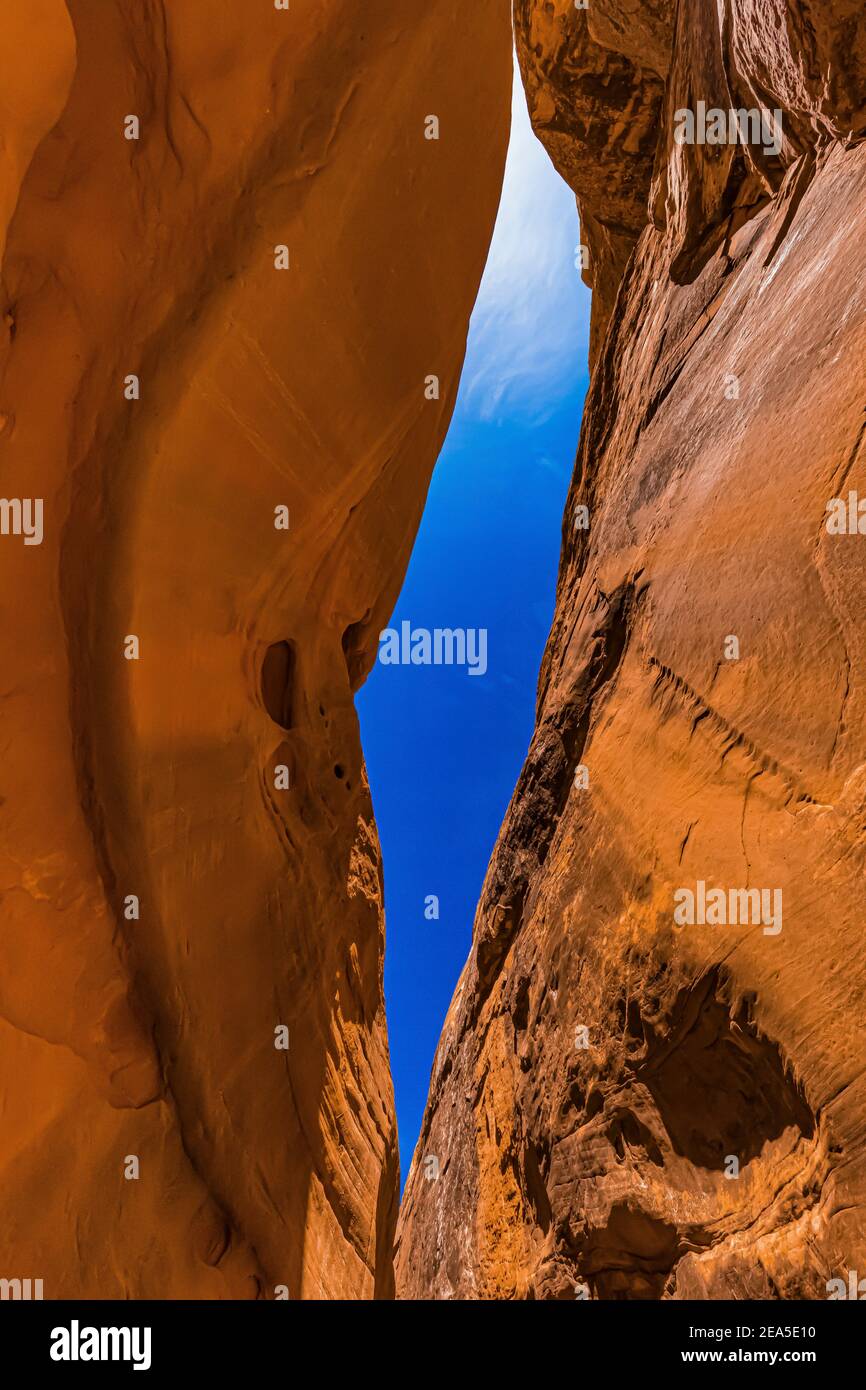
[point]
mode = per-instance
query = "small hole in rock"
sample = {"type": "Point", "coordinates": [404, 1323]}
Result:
{"type": "Point", "coordinates": [278, 683]}
{"type": "Point", "coordinates": [339, 770]}
{"type": "Point", "coordinates": [354, 641]}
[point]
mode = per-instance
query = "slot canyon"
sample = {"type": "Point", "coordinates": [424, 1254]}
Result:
{"type": "Point", "coordinates": [232, 266]}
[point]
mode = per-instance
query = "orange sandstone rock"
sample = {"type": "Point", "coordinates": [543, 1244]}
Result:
{"type": "Point", "coordinates": [594, 82]}
{"type": "Point", "coordinates": [232, 260]}
{"type": "Point", "coordinates": [650, 1082]}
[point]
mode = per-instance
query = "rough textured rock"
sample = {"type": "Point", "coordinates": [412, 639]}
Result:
{"type": "Point", "coordinates": [259, 388]}
{"type": "Point", "coordinates": [594, 85]}
{"type": "Point", "coordinates": [726, 409]}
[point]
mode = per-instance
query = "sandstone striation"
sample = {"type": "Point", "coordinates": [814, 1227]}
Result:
{"type": "Point", "coordinates": [624, 1101]}
{"type": "Point", "coordinates": [232, 262]}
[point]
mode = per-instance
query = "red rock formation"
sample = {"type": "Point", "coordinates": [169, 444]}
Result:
{"type": "Point", "coordinates": [147, 1029]}
{"type": "Point", "coordinates": [594, 83]}
{"type": "Point", "coordinates": [622, 1101]}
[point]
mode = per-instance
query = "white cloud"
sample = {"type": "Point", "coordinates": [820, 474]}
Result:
{"type": "Point", "coordinates": [529, 334]}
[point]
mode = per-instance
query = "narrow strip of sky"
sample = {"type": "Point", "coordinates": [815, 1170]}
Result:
{"type": "Point", "coordinates": [443, 749]}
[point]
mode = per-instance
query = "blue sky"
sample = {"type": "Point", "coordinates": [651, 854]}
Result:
{"type": "Point", "coordinates": [443, 748]}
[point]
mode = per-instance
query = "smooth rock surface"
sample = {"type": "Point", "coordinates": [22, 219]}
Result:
{"type": "Point", "coordinates": [154, 1037]}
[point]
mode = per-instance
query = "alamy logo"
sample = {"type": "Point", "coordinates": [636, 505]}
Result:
{"type": "Point", "coordinates": [23, 1289]}
{"type": "Point", "coordinates": [22, 516]}
{"type": "Point", "coordinates": [846, 516]}
{"type": "Point", "coordinates": [76, 1343]}
{"type": "Point", "coordinates": [854, 1289]}
{"type": "Point", "coordinates": [439, 646]}
{"type": "Point", "coordinates": [720, 907]}
{"type": "Point", "coordinates": [715, 126]}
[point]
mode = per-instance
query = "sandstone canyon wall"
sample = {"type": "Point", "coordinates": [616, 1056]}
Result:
{"type": "Point", "coordinates": [169, 380]}
{"type": "Point", "coordinates": [623, 1104]}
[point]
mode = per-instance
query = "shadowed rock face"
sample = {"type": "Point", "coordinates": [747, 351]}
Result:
{"type": "Point", "coordinates": [148, 1031]}
{"type": "Point", "coordinates": [622, 1100]}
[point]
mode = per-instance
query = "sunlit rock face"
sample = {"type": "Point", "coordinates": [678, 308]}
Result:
{"type": "Point", "coordinates": [650, 1083]}
{"type": "Point", "coordinates": [234, 262]}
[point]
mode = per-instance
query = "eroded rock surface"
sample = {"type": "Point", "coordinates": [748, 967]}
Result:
{"type": "Point", "coordinates": [147, 1031]}
{"type": "Point", "coordinates": [594, 81]}
{"type": "Point", "coordinates": [621, 1102]}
